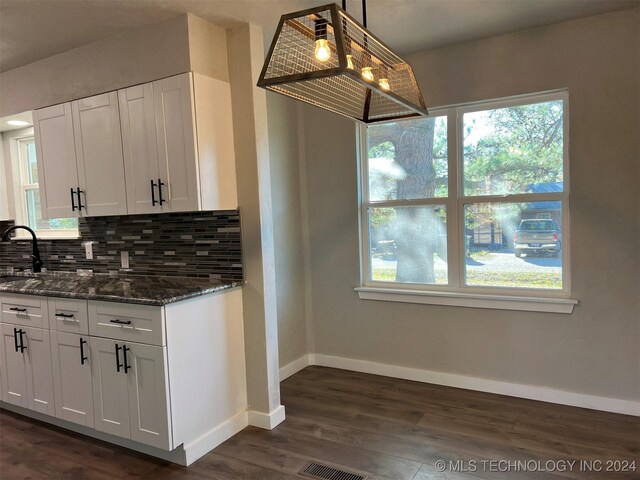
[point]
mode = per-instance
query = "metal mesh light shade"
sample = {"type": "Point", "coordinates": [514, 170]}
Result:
{"type": "Point", "coordinates": [337, 84]}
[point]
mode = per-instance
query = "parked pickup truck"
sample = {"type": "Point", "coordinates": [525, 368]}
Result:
{"type": "Point", "coordinates": [537, 236]}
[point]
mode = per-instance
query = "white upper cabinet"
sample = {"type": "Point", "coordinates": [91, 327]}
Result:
{"type": "Point", "coordinates": [96, 127]}
{"type": "Point", "coordinates": [140, 149]}
{"type": "Point", "coordinates": [165, 146]}
{"type": "Point", "coordinates": [177, 135]}
{"type": "Point", "coordinates": [57, 168]}
{"type": "Point", "coordinates": [175, 124]}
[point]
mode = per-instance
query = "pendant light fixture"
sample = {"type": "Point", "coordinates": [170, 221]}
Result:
{"type": "Point", "coordinates": [324, 57]}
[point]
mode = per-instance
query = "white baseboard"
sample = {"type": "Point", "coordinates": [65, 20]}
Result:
{"type": "Point", "coordinates": [531, 392]}
{"type": "Point", "coordinates": [215, 437]}
{"type": "Point", "coordinates": [295, 366]}
{"type": "Point", "coordinates": [268, 421]}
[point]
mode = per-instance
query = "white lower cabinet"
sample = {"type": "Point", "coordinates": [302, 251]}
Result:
{"type": "Point", "coordinates": [27, 379]}
{"type": "Point", "coordinates": [131, 390]}
{"type": "Point", "coordinates": [13, 369]}
{"type": "Point", "coordinates": [169, 377]}
{"type": "Point", "coordinates": [148, 387]}
{"type": "Point", "coordinates": [72, 384]}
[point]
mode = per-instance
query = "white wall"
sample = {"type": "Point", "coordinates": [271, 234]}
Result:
{"type": "Point", "coordinates": [253, 166]}
{"type": "Point", "coordinates": [596, 350]}
{"type": "Point", "coordinates": [286, 158]}
{"type": "Point", "coordinates": [130, 58]}
{"type": "Point", "coordinates": [8, 185]}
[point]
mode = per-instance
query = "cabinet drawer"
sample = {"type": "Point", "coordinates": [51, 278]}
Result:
{"type": "Point", "coordinates": [130, 322]}
{"type": "Point", "coordinates": [68, 315]}
{"type": "Point", "coordinates": [27, 310]}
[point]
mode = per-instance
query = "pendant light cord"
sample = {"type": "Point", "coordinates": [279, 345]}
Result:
{"type": "Point", "coordinates": [364, 13]}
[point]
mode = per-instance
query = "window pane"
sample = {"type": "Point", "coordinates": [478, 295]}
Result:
{"type": "Point", "coordinates": [408, 160]}
{"type": "Point", "coordinates": [514, 150]}
{"type": "Point", "coordinates": [515, 245]}
{"type": "Point", "coordinates": [34, 215]}
{"type": "Point", "coordinates": [408, 244]}
{"type": "Point", "coordinates": [32, 163]}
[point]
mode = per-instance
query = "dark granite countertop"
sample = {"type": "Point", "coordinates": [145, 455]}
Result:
{"type": "Point", "coordinates": [148, 290]}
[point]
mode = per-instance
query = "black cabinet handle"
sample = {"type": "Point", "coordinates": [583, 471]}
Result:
{"type": "Point", "coordinates": [160, 185]}
{"type": "Point", "coordinates": [127, 367]}
{"type": "Point", "coordinates": [15, 339]}
{"type": "Point", "coordinates": [80, 205]}
{"type": "Point", "coordinates": [73, 201]}
{"type": "Point", "coordinates": [82, 357]}
{"type": "Point", "coordinates": [153, 194]}
{"type": "Point", "coordinates": [64, 315]}
{"type": "Point", "coordinates": [22, 347]}
{"type": "Point", "coordinates": [118, 364]}
{"type": "Point", "coordinates": [121, 322]}
{"type": "Point", "coordinates": [16, 309]}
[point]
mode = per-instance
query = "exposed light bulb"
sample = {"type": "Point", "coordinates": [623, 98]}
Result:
{"type": "Point", "coordinates": [367, 74]}
{"type": "Point", "coordinates": [384, 84]}
{"type": "Point", "coordinates": [350, 62]}
{"type": "Point", "coordinates": [323, 52]}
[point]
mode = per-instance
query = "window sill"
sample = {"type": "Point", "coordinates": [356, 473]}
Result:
{"type": "Point", "coordinates": [20, 238]}
{"type": "Point", "coordinates": [473, 300]}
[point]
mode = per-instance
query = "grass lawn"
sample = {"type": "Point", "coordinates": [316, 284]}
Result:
{"type": "Point", "coordinates": [478, 278]}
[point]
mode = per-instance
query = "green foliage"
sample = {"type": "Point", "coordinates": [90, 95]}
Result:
{"type": "Point", "coordinates": [381, 217]}
{"type": "Point", "coordinates": [519, 146]}
{"type": "Point", "coordinates": [63, 223]}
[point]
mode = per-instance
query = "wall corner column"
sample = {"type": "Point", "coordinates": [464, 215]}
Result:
{"type": "Point", "coordinates": [253, 167]}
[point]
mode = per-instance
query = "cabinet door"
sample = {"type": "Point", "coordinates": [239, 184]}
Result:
{"type": "Point", "coordinates": [110, 389]}
{"type": "Point", "coordinates": [39, 372]}
{"type": "Point", "coordinates": [13, 369]}
{"type": "Point", "coordinates": [57, 170]}
{"type": "Point", "coordinates": [96, 124]}
{"type": "Point", "coordinates": [139, 148]}
{"type": "Point", "coordinates": [175, 121]}
{"type": "Point", "coordinates": [71, 355]}
{"type": "Point", "coordinates": [148, 395]}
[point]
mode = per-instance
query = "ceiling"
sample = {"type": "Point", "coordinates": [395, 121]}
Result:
{"type": "Point", "coordinates": [24, 119]}
{"type": "Point", "coordinates": [31, 30]}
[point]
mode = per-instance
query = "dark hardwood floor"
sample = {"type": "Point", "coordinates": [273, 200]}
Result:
{"type": "Point", "coordinates": [388, 428]}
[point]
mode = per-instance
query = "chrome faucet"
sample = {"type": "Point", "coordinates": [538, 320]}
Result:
{"type": "Point", "coordinates": [35, 256]}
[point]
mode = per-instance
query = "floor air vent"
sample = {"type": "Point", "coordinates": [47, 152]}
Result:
{"type": "Point", "coordinates": [316, 470]}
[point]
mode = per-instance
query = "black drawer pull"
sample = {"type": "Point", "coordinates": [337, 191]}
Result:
{"type": "Point", "coordinates": [127, 367]}
{"type": "Point", "coordinates": [118, 364]}
{"type": "Point", "coordinates": [22, 347]}
{"type": "Point", "coordinates": [160, 185]}
{"type": "Point", "coordinates": [82, 357]}
{"type": "Point", "coordinates": [15, 339]}
{"type": "Point", "coordinates": [121, 322]}
{"type": "Point", "coordinates": [80, 205]}
{"type": "Point", "coordinates": [153, 194]}
{"type": "Point", "coordinates": [16, 309]}
{"type": "Point", "coordinates": [64, 315]}
{"type": "Point", "coordinates": [73, 201]}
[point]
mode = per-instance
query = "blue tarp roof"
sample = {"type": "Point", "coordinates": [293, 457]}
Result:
{"type": "Point", "coordinates": [549, 187]}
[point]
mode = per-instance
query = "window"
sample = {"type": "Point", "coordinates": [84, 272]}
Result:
{"type": "Point", "coordinates": [473, 199]}
{"type": "Point", "coordinates": [28, 210]}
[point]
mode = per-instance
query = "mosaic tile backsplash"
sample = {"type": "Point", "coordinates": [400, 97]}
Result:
{"type": "Point", "coordinates": [199, 244]}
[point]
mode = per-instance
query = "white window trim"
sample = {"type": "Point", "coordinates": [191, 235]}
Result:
{"type": "Point", "coordinates": [455, 293]}
{"type": "Point", "coordinates": [20, 189]}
